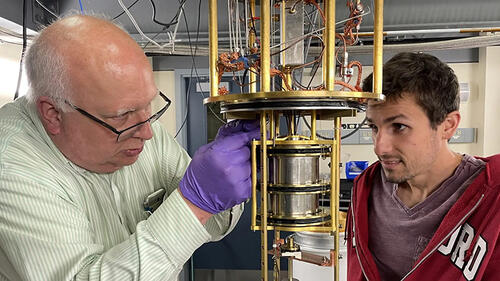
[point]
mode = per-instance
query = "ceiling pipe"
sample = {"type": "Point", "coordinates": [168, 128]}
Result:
{"type": "Point", "coordinates": [462, 43]}
{"type": "Point", "coordinates": [433, 31]}
{"type": "Point", "coordinates": [370, 34]}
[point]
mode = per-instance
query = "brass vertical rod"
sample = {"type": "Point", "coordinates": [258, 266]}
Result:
{"type": "Point", "coordinates": [291, 124]}
{"type": "Point", "coordinates": [330, 44]}
{"type": "Point", "coordinates": [333, 180]}
{"type": "Point", "coordinates": [277, 123]}
{"type": "Point", "coordinates": [290, 269]}
{"type": "Point", "coordinates": [251, 41]}
{"type": "Point", "coordinates": [336, 194]}
{"type": "Point", "coordinates": [276, 272]}
{"type": "Point", "coordinates": [313, 125]}
{"type": "Point", "coordinates": [323, 60]}
{"type": "Point", "coordinates": [254, 185]}
{"type": "Point", "coordinates": [263, 195]}
{"type": "Point", "coordinates": [288, 75]}
{"type": "Point", "coordinates": [272, 127]}
{"type": "Point", "coordinates": [213, 48]}
{"type": "Point", "coordinates": [283, 31]}
{"type": "Point", "coordinates": [265, 43]}
{"type": "Point", "coordinates": [378, 29]}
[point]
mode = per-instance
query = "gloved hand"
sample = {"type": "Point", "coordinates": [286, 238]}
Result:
{"type": "Point", "coordinates": [219, 176]}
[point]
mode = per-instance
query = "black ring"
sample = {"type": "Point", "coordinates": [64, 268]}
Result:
{"type": "Point", "coordinates": [284, 104]}
{"type": "Point", "coordinates": [284, 188]}
{"type": "Point", "coordinates": [322, 150]}
{"type": "Point", "coordinates": [297, 221]}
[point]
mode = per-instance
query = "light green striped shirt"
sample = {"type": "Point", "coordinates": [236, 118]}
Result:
{"type": "Point", "coordinates": [61, 222]}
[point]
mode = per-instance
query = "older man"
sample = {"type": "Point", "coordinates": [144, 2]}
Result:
{"type": "Point", "coordinates": [83, 169]}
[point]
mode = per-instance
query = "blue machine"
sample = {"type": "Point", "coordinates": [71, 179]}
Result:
{"type": "Point", "coordinates": [354, 168]}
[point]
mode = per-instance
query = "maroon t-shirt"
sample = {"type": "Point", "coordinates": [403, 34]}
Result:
{"type": "Point", "coordinates": [399, 234]}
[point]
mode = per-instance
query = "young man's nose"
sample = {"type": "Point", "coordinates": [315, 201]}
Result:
{"type": "Point", "coordinates": [382, 143]}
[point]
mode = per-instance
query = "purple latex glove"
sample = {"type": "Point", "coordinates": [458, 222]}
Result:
{"type": "Point", "coordinates": [219, 176]}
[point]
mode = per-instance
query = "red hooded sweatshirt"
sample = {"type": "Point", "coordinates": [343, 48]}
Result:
{"type": "Point", "coordinates": [466, 245]}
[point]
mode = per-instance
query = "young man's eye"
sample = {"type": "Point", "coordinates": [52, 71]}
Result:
{"type": "Point", "coordinates": [373, 127]}
{"type": "Point", "coordinates": [400, 127]}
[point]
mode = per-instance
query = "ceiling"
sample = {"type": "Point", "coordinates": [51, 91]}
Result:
{"type": "Point", "coordinates": [407, 15]}
{"type": "Point", "coordinates": [398, 14]}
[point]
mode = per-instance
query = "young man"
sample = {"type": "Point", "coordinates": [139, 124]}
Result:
{"type": "Point", "coordinates": [80, 155]}
{"type": "Point", "coordinates": [422, 212]}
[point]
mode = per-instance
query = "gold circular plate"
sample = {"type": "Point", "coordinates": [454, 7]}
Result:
{"type": "Point", "coordinates": [315, 216]}
{"type": "Point", "coordinates": [298, 227]}
{"type": "Point", "coordinates": [236, 98]}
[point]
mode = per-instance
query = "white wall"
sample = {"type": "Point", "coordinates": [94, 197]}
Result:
{"type": "Point", "coordinates": [165, 81]}
{"type": "Point", "coordinates": [489, 100]}
{"type": "Point", "coordinates": [467, 73]}
{"type": "Point", "coordinates": [10, 54]}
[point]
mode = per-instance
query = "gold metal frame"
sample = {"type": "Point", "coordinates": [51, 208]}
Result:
{"type": "Point", "coordinates": [269, 131]}
{"type": "Point", "coordinates": [291, 95]}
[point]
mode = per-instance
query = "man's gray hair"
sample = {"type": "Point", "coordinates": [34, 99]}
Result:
{"type": "Point", "coordinates": [46, 70]}
{"type": "Point", "coordinates": [47, 75]}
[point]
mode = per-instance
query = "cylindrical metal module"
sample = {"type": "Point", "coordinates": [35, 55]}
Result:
{"type": "Point", "coordinates": [295, 186]}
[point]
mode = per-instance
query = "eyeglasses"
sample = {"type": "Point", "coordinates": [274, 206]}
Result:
{"type": "Point", "coordinates": [130, 131]}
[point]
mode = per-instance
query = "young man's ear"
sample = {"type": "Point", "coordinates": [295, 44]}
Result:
{"type": "Point", "coordinates": [450, 124]}
{"type": "Point", "coordinates": [49, 114]}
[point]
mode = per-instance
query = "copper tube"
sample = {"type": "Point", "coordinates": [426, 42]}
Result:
{"type": "Point", "coordinates": [487, 29]}
{"type": "Point", "coordinates": [213, 48]}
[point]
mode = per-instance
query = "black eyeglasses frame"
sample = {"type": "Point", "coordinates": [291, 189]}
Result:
{"type": "Point", "coordinates": [151, 119]}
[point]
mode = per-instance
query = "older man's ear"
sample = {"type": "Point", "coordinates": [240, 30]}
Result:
{"type": "Point", "coordinates": [49, 115]}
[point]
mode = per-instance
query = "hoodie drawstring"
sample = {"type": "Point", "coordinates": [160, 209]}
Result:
{"type": "Point", "coordinates": [482, 226]}
{"type": "Point", "coordinates": [485, 221]}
